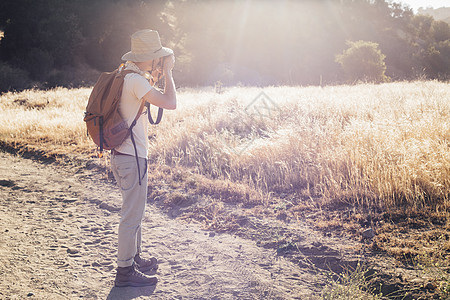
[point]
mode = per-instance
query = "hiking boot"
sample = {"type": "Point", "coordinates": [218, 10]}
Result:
{"type": "Point", "coordinates": [146, 265]}
{"type": "Point", "coordinates": [131, 276]}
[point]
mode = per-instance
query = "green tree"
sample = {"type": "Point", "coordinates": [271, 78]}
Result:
{"type": "Point", "coordinates": [39, 35]}
{"type": "Point", "coordinates": [436, 60]}
{"type": "Point", "coordinates": [248, 42]}
{"type": "Point", "coordinates": [107, 25]}
{"type": "Point", "coordinates": [363, 60]}
{"type": "Point", "coordinates": [430, 42]}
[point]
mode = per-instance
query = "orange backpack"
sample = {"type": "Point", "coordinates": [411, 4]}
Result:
{"type": "Point", "coordinates": [104, 122]}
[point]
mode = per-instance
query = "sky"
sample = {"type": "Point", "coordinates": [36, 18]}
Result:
{"type": "Point", "coordinates": [415, 4]}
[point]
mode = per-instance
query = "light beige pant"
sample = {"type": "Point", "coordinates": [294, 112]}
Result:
{"type": "Point", "coordinates": [134, 199]}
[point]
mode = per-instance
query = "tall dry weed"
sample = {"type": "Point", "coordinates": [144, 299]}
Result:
{"type": "Point", "coordinates": [48, 120]}
{"type": "Point", "coordinates": [372, 145]}
{"type": "Point", "coordinates": [368, 145]}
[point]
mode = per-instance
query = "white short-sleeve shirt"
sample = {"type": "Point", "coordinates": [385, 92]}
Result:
{"type": "Point", "coordinates": [135, 87]}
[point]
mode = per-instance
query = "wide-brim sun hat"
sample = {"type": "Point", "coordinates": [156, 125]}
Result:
{"type": "Point", "coordinates": [145, 46]}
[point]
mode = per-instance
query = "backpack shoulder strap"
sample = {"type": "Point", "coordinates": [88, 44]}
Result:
{"type": "Point", "coordinates": [141, 108]}
{"type": "Point", "coordinates": [139, 113]}
{"type": "Point", "coordinates": [125, 72]}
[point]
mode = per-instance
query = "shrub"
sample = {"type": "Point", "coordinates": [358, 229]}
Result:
{"type": "Point", "coordinates": [13, 78]}
{"type": "Point", "coordinates": [82, 75]}
{"type": "Point", "coordinates": [363, 61]}
{"type": "Point", "coordinates": [39, 63]}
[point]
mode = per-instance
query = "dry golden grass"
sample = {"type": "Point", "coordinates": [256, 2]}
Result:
{"type": "Point", "coordinates": [383, 146]}
{"type": "Point", "coordinates": [47, 120]}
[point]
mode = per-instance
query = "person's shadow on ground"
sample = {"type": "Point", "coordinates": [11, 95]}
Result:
{"type": "Point", "coordinates": [128, 293]}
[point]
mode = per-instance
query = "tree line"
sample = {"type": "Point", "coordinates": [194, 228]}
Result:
{"type": "Point", "coordinates": [249, 42]}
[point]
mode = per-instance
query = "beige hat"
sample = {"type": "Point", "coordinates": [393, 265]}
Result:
{"type": "Point", "coordinates": [146, 45]}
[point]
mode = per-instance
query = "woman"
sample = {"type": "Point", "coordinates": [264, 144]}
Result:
{"type": "Point", "coordinates": [146, 52]}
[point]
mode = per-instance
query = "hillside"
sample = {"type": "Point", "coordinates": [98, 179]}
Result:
{"type": "Point", "coordinates": [439, 14]}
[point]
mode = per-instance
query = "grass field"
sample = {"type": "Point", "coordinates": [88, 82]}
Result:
{"type": "Point", "coordinates": [373, 149]}
{"type": "Point", "coordinates": [383, 146]}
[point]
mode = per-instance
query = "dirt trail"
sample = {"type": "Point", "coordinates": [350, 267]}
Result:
{"type": "Point", "coordinates": [58, 241]}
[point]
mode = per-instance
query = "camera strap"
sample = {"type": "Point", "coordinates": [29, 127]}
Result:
{"type": "Point", "coordinates": [159, 84]}
{"type": "Point", "coordinates": [149, 115]}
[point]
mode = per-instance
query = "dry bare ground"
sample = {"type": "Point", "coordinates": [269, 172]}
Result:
{"type": "Point", "coordinates": [58, 241]}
